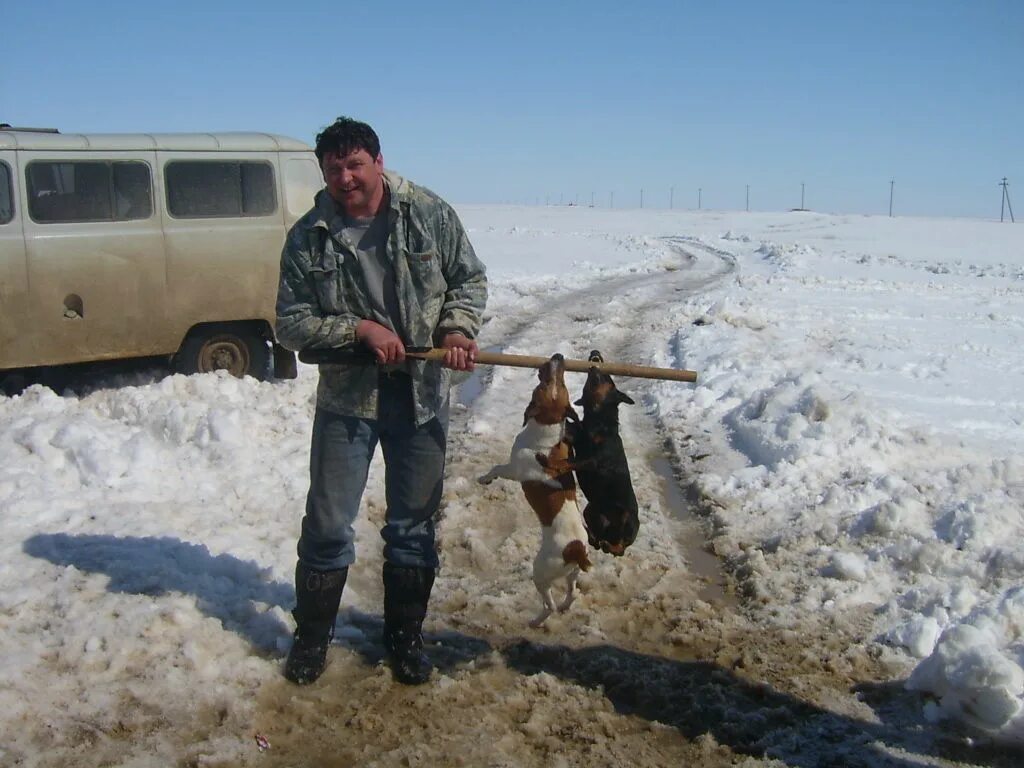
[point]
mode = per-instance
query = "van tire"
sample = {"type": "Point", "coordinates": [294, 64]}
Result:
{"type": "Point", "coordinates": [241, 351]}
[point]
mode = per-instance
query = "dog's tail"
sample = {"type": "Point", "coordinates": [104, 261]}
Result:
{"type": "Point", "coordinates": [576, 552]}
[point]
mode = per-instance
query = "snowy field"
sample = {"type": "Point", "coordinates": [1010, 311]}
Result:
{"type": "Point", "coordinates": [850, 457]}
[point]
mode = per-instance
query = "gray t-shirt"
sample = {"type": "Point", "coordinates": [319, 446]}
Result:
{"type": "Point", "coordinates": [367, 238]}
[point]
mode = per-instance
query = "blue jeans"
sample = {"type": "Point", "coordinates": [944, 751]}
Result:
{"type": "Point", "coordinates": [339, 461]}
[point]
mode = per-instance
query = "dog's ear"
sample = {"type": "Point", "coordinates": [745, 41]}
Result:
{"type": "Point", "coordinates": [622, 397]}
{"type": "Point", "coordinates": [571, 414]}
{"type": "Point", "coordinates": [527, 413]}
{"type": "Point", "coordinates": [579, 402]}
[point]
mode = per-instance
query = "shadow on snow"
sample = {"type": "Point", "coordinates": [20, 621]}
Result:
{"type": "Point", "coordinates": [238, 593]}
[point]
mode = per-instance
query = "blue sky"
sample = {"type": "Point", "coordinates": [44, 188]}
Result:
{"type": "Point", "coordinates": [544, 101]}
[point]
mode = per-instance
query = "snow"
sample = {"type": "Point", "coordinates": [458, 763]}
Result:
{"type": "Point", "coordinates": [857, 421]}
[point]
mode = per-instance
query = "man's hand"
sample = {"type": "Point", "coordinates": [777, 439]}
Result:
{"type": "Point", "coordinates": [460, 352]}
{"type": "Point", "coordinates": [382, 341]}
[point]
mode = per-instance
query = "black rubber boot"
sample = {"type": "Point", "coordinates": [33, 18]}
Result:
{"type": "Point", "coordinates": [317, 596]}
{"type": "Point", "coordinates": [406, 593]}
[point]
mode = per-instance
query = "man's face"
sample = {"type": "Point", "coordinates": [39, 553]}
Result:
{"type": "Point", "coordinates": [355, 181]}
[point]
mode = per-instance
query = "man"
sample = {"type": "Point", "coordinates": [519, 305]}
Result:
{"type": "Point", "coordinates": [378, 263]}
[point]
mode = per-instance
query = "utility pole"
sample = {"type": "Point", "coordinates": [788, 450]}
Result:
{"type": "Point", "coordinates": [801, 196]}
{"type": "Point", "coordinates": [748, 198]}
{"type": "Point", "coordinates": [671, 194]}
{"type": "Point", "coordinates": [892, 183]}
{"type": "Point", "coordinates": [1006, 201]}
{"type": "Point", "coordinates": [641, 197]}
{"type": "Point", "coordinates": [698, 198]}
{"type": "Point", "coordinates": [611, 199]}
{"type": "Point", "coordinates": [591, 198]}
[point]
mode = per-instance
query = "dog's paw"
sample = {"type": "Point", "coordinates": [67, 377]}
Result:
{"type": "Point", "coordinates": [617, 548]}
{"type": "Point", "coordinates": [542, 617]}
{"type": "Point", "coordinates": [485, 479]}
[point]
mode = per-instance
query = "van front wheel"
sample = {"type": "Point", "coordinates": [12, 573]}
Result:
{"type": "Point", "coordinates": [240, 352]}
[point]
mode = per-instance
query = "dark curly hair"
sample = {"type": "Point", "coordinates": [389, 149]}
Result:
{"type": "Point", "coordinates": [346, 135]}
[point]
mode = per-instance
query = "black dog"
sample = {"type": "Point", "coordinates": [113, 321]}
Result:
{"type": "Point", "coordinates": [611, 515]}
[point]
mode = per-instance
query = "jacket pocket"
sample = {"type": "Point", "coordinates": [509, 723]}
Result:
{"type": "Point", "coordinates": [326, 289]}
{"type": "Point", "coordinates": [425, 274]}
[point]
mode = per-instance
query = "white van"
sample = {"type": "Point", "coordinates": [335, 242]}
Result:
{"type": "Point", "coordinates": [132, 245]}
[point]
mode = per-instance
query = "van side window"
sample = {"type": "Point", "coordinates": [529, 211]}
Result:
{"type": "Point", "coordinates": [6, 194]}
{"type": "Point", "coordinates": [88, 191]}
{"type": "Point", "coordinates": [205, 189]}
{"type": "Point", "coordinates": [133, 191]}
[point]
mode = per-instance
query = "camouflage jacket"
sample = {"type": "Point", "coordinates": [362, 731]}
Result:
{"type": "Point", "coordinates": [441, 287]}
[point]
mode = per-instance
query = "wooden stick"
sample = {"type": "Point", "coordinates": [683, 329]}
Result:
{"type": "Point", "coordinates": [330, 356]}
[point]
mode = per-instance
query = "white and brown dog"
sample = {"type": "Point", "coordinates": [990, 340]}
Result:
{"type": "Point", "coordinates": [540, 461]}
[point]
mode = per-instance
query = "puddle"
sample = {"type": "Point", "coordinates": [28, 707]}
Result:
{"type": "Point", "coordinates": [704, 565]}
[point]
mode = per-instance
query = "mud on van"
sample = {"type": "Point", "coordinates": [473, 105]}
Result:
{"type": "Point", "coordinates": [132, 245]}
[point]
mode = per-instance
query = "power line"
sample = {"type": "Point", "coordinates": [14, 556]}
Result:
{"type": "Point", "coordinates": [1006, 201]}
{"type": "Point", "coordinates": [562, 198]}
